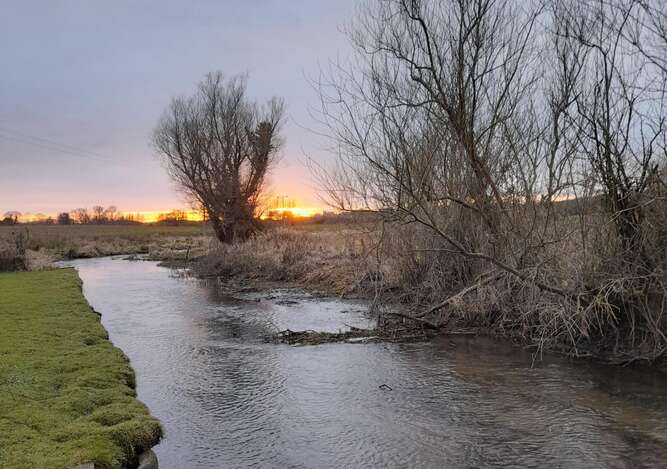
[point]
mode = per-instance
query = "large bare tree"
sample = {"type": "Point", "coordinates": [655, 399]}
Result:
{"type": "Point", "coordinates": [217, 145]}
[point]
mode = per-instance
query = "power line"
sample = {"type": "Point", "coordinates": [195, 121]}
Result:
{"type": "Point", "coordinates": [52, 145]}
{"type": "Point", "coordinates": [49, 147]}
{"type": "Point", "coordinates": [52, 142]}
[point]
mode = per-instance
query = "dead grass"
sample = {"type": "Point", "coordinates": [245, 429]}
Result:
{"type": "Point", "coordinates": [327, 259]}
{"type": "Point", "coordinates": [42, 244]}
{"type": "Point", "coordinates": [613, 313]}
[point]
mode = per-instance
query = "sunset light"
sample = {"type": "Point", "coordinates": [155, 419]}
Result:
{"type": "Point", "coordinates": [152, 216]}
{"type": "Point", "coordinates": [290, 212]}
{"type": "Point", "coordinates": [362, 233]}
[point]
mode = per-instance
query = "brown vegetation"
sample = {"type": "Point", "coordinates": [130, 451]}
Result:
{"type": "Point", "coordinates": [401, 269]}
{"type": "Point", "coordinates": [516, 157]}
{"type": "Point", "coordinates": [326, 259]}
{"type": "Point", "coordinates": [35, 247]}
{"type": "Point", "coordinates": [466, 124]}
{"type": "Point", "coordinates": [13, 252]}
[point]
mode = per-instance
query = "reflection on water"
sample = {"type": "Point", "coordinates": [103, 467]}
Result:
{"type": "Point", "coordinates": [227, 399]}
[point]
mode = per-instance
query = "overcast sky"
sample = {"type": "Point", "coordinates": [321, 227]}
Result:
{"type": "Point", "coordinates": [83, 83]}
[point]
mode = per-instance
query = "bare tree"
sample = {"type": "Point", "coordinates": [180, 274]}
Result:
{"type": "Point", "coordinates": [64, 218]}
{"type": "Point", "coordinates": [110, 213]}
{"type": "Point", "coordinates": [438, 121]}
{"type": "Point", "coordinates": [527, 139]}
{"type": "Point", "coordinates": [645, 28]}
{"type": "Point", "coordinates": [218, 146]}
{"type": "Point", "coordinates": [11, 217]}
{"type": "Point", "coordinates": [618, 106]}
{"type": "Point", "coordinates": [80, 215]}
{"type": "Point", "coordinates": [98, 214]}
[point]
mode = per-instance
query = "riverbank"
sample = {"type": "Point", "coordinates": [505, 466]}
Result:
{"type": "Point", "coordinates": [227, 398]}
{"type": "Point", "coordinates": [332, 260]}
{"type": "Point", "coordinates": [67, 395]}
{"type": "Point", "coordinates": [414, 284]}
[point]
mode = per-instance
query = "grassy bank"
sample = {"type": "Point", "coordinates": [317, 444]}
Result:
{"type": "Point", "coordinates": [67, 395]}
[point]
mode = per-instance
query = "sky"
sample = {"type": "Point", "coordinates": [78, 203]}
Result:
{"type": "Point", "coordinates": [83, 83]}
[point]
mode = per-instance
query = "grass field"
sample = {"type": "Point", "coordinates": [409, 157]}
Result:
{"type": "Point", "coordinates": [137, 231]}
{"type": "Point", "coordinates": [46, 243]}
{"type": "Point", "coordinates": [66, 393]}
{"type": "Point", "coordinates": [37, 246]}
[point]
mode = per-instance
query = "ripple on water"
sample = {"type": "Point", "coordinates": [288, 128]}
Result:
{"type": "Point", "coordinates": [228, 399]}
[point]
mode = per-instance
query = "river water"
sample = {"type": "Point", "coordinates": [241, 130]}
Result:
{"type": "Point", "coordinates": [227, 398]}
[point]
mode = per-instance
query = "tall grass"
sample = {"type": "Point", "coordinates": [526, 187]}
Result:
{"type": "Point", "coordinates": [40, 244]}
{"type": "Point", "coordinates": [326, 259]}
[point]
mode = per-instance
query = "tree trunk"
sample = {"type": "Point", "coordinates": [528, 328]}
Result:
{"type": "Point", "coordinates": [223, 231]}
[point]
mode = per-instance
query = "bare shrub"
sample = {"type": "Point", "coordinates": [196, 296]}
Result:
{"type": "Point", "coordinates": [329, 260]}
{"type": "Point", "coordinates": [13, 252]}
{"type": "Point", "coordinates": [514, 152]}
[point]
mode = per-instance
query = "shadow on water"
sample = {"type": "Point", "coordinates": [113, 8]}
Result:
{"type": "Point", "coordinates": [229, 399]}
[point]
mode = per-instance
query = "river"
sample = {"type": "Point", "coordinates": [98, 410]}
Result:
{"type": "Point", "coordinates": [227, 398]}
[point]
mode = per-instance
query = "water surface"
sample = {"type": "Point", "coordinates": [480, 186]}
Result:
{"type": "Point", "coordinates": [227, 398]}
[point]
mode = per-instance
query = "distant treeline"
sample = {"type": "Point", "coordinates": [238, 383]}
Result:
{"type": "Point", "coordinates": [97, 215]}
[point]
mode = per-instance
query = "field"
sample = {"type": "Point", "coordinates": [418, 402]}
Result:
{"type": "Point", "coordinates": [42, 244]}
{"type": "Point", "coordinates": [35, 246]}
{"type": "Point", "coordinates": [66, 393]}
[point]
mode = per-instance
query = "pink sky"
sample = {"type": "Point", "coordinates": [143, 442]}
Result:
{"type": "Point", "coordinates": [84, 83]}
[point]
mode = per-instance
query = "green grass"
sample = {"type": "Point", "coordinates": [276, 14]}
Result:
{"type": "Point", "coordinates": [67, 395]}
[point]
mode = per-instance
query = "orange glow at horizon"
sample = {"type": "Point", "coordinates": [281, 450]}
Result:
{"type": "Point", "coordinates": [282, 212]}
{"type": "Point", "coordinates": [153, 216]}
{"type": "Point", "coordinates": [143, 216]}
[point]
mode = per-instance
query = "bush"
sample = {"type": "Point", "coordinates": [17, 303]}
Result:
{"type": "Point", "coordinates": [615, 312]}
{"type": "Point", "coordinates": [13, 252]}
{"type": "Point", "coordinates": [328, 260]}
